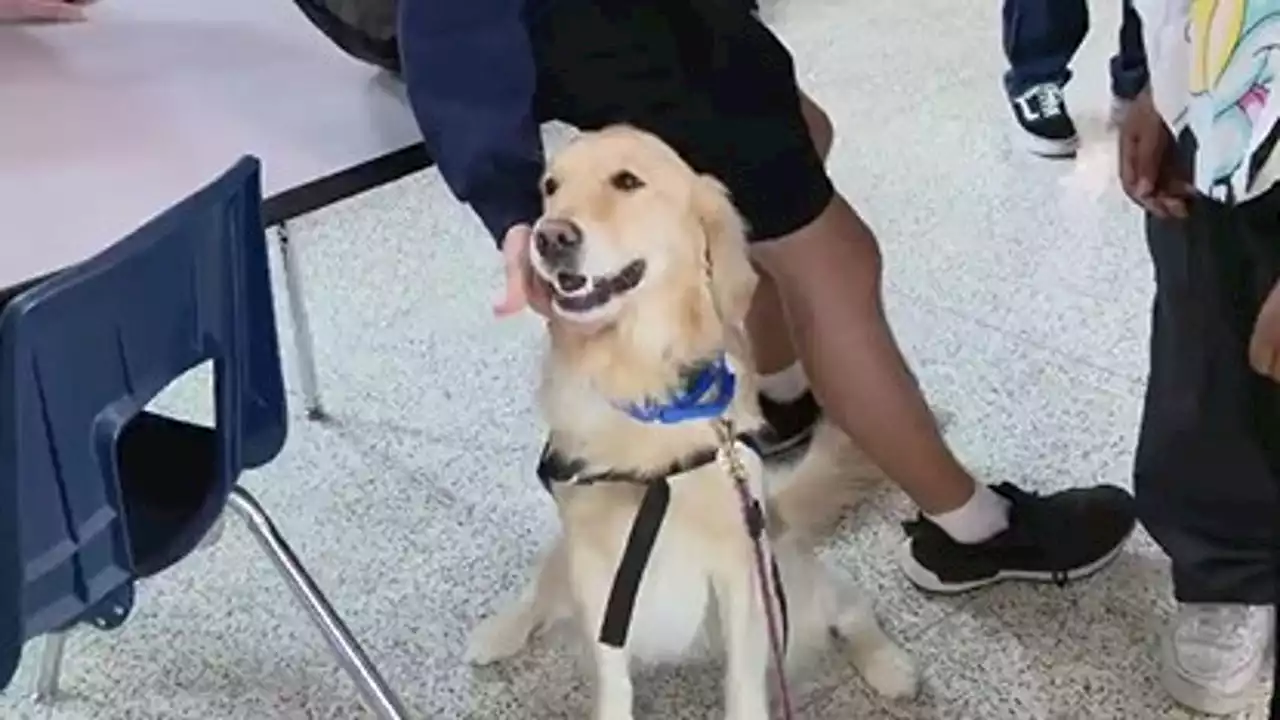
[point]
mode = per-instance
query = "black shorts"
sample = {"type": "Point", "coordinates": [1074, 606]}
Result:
{"type": "Point", "coordinates": [704, 75]}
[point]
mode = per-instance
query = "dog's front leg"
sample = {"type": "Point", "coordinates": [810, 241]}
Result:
{"type": "Point", "coordinates": [614, 694]}
{"type": "Point", "coordinates": [542, 601]}
{"type": "Point", "coordinates": [746, 636]}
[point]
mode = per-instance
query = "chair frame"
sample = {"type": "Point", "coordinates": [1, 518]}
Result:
{"type": "Point", "coordinates": [377, 695]}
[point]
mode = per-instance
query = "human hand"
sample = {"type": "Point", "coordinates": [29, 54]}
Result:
{"type": "Point", "coordinates": [523, 286]}
{"type": "Point", "coordinates": [1264, 345]}
{"type": "Point", "coordinates": [16, 11]}
{"type": "Point", "coordinates": [1149, 171]}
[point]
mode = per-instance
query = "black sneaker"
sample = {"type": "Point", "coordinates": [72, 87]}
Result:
{"type": "Point", "coordinates": [1051, 538]}
{"type": "Point", "coordinates": [1046, 126]}
{"type": "Point", "coordinates": [789, 425]}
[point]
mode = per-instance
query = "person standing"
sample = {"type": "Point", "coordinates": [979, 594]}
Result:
{"type": "Point", "coordinates": [1199, 153]}
{"type": "Point", "coordinates": [1040, 39]}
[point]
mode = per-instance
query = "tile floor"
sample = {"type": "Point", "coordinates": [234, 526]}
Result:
{"type": "Point", "coordinates": [1018, 287]}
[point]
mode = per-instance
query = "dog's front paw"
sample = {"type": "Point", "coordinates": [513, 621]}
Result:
{"type": "Point", "coordinates": [890, 671]}
{"type": "Point", "coordinates": [498, 638]}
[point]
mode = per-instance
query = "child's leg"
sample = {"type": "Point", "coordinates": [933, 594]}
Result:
{"type": "Point", "coordinates": [767, 321]}
{"type": "Point", "coordinates": [1205, 488]}
{"type": "Point", "coordinates": [789, 407]}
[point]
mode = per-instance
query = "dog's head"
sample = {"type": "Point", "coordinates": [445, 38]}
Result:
{"type": "Point", "coordinates": [625, 238]}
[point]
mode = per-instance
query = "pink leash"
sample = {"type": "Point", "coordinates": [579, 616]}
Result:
{"type": "Point", "coordinates": [770, 602]}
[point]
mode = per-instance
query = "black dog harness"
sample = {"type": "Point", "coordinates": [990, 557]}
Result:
{"type": "Point", "coordinates": [554, 468]}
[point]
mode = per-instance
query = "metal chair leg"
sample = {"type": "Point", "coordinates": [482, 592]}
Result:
{"type": "Point", "coordinates": [50, 670]}
{"type": "Point", "coordinates": [303, 341]}
{"type": "Point", "coordinates": [377, 695]}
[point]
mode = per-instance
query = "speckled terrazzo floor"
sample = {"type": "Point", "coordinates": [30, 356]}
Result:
{"type": "Point", "coordinates": [1018, 286]}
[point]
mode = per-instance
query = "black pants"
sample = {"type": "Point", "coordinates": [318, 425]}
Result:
{"type": "Point", "coordinates": [1206, 474]}
{"type": "Point", "coordinates": [1041, 37]}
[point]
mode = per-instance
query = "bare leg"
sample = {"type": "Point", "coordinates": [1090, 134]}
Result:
{"type": "Point", "coordinates": [829, 278]}
{"type": "Point", "coordinates": [768, 329]}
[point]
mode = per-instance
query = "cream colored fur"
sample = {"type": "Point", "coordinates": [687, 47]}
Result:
{"type": "Point", "coordinates": [700, 580]}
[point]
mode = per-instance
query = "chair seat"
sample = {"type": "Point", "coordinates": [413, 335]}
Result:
{"type": "Point", "coordinates": [169, 488]}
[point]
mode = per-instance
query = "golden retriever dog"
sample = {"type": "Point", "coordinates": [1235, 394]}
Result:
{"type": "Point", "coordinates": [650, 276]}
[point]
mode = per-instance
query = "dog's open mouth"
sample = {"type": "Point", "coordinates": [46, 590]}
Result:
{"type": "Point", "coordinates": [580, 294]}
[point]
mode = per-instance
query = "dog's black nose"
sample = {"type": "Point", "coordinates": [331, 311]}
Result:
{"type": "Point", "coordinates": [557, 239]}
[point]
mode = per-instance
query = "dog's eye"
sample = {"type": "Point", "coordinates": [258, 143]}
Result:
{"type": "Point", "coordinates": [549, 187]}
{"type": "Point", "coordinates": [626, 181]}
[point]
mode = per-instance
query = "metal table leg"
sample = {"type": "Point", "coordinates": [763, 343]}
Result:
{"type": "Point", "coordinates": [303, 341]}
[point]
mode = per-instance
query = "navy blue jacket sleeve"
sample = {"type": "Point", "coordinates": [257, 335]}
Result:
{"type": "Point", "coordinates": [471, 78]}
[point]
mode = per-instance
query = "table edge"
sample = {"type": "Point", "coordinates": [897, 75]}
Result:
{"type": "Point", "coordinates": [343, 184]}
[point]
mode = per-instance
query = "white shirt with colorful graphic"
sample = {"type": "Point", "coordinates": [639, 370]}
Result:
{"type": "Point", "coordinates": [1213, 70]}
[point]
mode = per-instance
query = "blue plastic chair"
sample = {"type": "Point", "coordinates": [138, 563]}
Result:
{"type": "Point", "coordinates": [96, 492]}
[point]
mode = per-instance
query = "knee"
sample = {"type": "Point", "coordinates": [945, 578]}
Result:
{"type": "Point", "coordinates": [821, 130]}
{"type": "Point", "coordinates": [836, 252]}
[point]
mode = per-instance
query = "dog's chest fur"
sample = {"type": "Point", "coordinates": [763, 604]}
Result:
{"type": "Point", "coordinates": [703, 532]}
{"type": "Point", "coordinates": [703, 535]}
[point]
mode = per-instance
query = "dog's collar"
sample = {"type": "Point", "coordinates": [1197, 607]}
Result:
{"type": "Point", "coordinates": [706, 393]}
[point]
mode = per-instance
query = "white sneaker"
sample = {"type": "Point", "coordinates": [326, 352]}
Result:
{"type": "Point", "coordinates": [1212, 656]}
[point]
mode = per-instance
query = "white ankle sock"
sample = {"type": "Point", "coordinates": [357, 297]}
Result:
{"type": "Point", "coordinates": [785, 385]}
{"type": "Point", "coordinates": [982, 517]}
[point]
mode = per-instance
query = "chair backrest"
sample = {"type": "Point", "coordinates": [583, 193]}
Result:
{"type": "Point", "coordinates": [82, 353]}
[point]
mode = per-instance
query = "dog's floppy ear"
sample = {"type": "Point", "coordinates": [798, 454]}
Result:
{"type": "Point", "coordinates": [733, 279]}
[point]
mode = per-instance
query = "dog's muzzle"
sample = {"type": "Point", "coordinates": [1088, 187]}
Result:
{"type": "Point", "coordinates": [558, 243]}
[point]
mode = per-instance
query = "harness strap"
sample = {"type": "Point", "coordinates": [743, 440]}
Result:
{"type": "Point", "coordinates": [635, 557]}
{"type": "Point", "coordinates": [555, 468]}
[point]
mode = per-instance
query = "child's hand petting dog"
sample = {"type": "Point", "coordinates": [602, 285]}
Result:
{"type": "Point", "coordinates": [524, 288]}
{"type": "Point", "coordinates": [1264, 346]}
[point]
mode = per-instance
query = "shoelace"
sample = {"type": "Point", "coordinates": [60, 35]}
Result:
{"type": "Point", "coordinates": [1050, 99]}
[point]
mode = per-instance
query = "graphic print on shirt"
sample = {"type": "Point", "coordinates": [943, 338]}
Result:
{"type": "Point", "coordinates": [1235, 55]}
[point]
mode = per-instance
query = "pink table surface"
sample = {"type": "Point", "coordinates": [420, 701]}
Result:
{"type": "Point", "coordinates": [105, 124]}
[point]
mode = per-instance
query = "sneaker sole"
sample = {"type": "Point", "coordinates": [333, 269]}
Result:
{"type": "Point", "coordinates": [1197, 698]}
{"type": "Point", "coordinates": [1046, 148]}
{"type": "Point", "coordinates": [791, 445]}
{"type": "Point", "coordinates": [925, 579]}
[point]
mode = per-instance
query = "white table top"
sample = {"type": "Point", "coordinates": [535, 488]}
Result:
{"type": "Point", "coordinates": [105, 124]}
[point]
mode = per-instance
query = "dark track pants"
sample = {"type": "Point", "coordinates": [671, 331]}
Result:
{"type": "Point", "coordinates": [1207, 474]}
